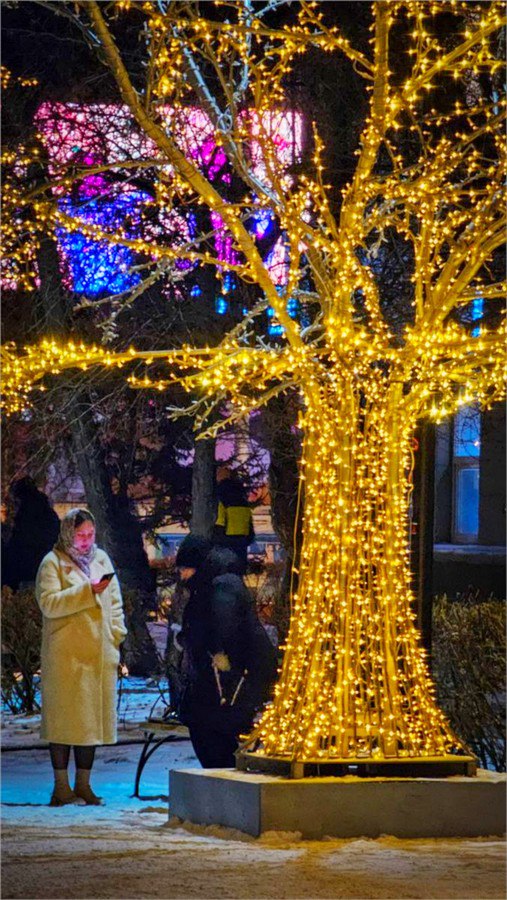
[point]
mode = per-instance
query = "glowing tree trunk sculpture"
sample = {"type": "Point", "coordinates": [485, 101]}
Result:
{"type": "Point", "coordinates": [354, 685]}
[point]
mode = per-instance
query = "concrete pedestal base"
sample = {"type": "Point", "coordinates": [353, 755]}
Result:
{"type": "Point", "coordinates": [341, 807]}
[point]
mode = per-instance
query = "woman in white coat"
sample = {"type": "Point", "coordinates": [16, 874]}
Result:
{"type": "Point", "coordinates": [83, 627]}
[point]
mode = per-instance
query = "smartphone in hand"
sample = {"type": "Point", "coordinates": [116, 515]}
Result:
{"type": "Point", "coordinates": [106, 577]}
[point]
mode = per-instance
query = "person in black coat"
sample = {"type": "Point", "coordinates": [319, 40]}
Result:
{"type": "Point", "coordinates": [35, 530]}
{"type": "Point", "coordinates": [229, 662]}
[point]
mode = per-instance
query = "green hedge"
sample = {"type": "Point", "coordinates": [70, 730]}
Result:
{"type": "Point", "coordinates": [468, 655]}
{"type": "Point", "coordinates": [21, 638]}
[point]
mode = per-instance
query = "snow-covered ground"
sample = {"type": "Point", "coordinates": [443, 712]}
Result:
{"type": "Point", "coordinates": [130, 848]}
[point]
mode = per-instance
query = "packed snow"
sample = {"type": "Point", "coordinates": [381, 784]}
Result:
{"type": "Point", "coordinates": [132, 848]}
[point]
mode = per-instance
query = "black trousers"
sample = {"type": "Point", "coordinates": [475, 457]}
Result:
{"type": "Point", "coordinates": [213, 747]}
{"type": "Point", "coordinates": [215, 731]}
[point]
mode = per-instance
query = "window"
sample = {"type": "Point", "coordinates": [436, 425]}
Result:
{"type": "Point", "coordinates": [466, 462]}
{"type": "Point", "coordinates": [466, 455]}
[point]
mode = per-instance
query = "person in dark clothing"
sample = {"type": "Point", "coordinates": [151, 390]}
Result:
{"type": "Point", "coordinates": [234, 522]}
{"type": "Point", "coordinates": [35, 529]}
{"type": "Point", "coordinates": [229, 661]}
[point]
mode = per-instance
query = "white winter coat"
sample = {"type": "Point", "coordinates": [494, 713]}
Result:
{"type": "Point", "coordinates": [81, 634]}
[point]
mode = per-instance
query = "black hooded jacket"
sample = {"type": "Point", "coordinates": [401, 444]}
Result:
{"type": "Point", "coordinates": [229, 661]}
{"type": "Point", "coordinates": [35, 530]}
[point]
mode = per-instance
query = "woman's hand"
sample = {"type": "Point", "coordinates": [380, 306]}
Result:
{"type": "Point", "coordinates": [99, 586]}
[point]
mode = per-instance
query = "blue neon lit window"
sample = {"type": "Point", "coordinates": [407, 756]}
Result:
{"type": "Point", "coordinates": [467, 451]}
{"type": "Point", "coordinates": [98, 267]}
{"type": "Point", "coordinates": [467, 501]}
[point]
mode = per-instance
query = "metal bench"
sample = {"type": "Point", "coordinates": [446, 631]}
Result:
{"type": "Point", "coordinates": [157, 731]}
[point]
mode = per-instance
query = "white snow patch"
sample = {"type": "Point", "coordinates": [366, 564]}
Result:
{"type": "Point", "coordinates": [220, 832]}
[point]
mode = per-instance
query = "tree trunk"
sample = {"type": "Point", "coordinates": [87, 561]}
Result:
{"type": "Point", "coordinates": [203, 517]}
{"type": "Point", "coordinates": [354, 682]}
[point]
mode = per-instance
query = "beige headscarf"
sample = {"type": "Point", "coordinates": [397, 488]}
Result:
{"type": "Point", "coordinates": [65, 542]}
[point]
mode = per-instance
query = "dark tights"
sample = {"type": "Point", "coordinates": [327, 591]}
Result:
{"type": "Point", "coordinates": [60, 755]}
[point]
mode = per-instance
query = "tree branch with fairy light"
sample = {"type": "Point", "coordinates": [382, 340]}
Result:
{"type": "Point", "coordinates": [354, 685]}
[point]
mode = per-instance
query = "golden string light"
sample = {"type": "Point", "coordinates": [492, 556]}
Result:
{"type": "Point", "coordinates": [354, 684]}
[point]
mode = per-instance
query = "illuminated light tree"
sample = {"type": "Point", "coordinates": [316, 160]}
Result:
{"type": "Point", "coordinates": [354, 685]}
